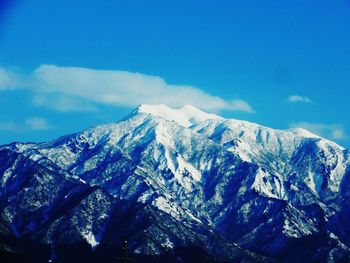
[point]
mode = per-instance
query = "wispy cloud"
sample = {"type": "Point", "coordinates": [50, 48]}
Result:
{"type": "Point", "coordinates": [36, 123]}
{"type": "Point", "coordinates": [62, 103]}
{"type": "Point", "coordinates": [298, 99]}
{"type": "Point", "coordinates": [9, 79]}
{"type": "Point", "coordinates": [116, 88]}
{"type": "Point", "coordinates": [240, 105]}
{"type": "Point", "coordinates": [29, 124]}
{"type": "Point", "coordinates": [330, 131]}
{"type": "Point", "coordinates": [9, 126]}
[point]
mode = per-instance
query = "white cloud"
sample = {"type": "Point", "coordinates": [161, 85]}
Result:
{"type": "Point", "coordinates": [299, 99]}
{"type": "Point", "coordinates": [116, 88]}
{"type": "Point", "coordinates": [122, 88]}
{"type": "Point", "coordinates": [36, 123]}
{"type": "Point", "coordinates": [331, 131]}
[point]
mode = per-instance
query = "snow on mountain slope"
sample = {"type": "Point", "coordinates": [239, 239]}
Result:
{"type": "Point", "coordinates": [263, 188]}
{"type": "Point", "coordinates": [186, 116]}
{"type": "Point", "coordinates": [277, 151]}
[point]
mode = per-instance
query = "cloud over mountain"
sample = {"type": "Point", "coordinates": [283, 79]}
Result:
{"type": "Point", "coordinates": [112, 87]}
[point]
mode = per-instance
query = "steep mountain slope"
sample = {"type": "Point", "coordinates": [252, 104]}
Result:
{"type": "Point", "coordinates": [201, 178]}
{"type": "Point", "coordinates": [44, 203]}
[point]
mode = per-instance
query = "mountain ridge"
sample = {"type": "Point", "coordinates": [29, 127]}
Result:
{"type": "Point", "coordinates": [263, 189]}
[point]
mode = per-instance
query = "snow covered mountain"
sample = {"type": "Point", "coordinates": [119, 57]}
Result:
{"type": "Point", "coordinates": [170, 179]}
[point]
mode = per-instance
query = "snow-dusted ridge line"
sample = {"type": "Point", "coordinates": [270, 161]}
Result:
{"type": "Point", "coordinates": [186, 116]}
{"type": "Point", "coordinates": [189, 115]}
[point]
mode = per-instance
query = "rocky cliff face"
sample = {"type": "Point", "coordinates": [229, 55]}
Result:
{"type": "Point", "coordinates": [169, 179]}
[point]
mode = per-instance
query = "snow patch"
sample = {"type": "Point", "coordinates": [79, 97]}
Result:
{"type": "Point", "coordinates": [91, 239]}
{"type": "Point", "coordinates": [163, 204]}
{"type": "Point", "coordinates": [269, 185]}
{"type": "Point", "coordinates": [186, 116]}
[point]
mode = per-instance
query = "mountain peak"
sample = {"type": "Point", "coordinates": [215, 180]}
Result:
{"type": "Point", "coordinates": [186, 116]}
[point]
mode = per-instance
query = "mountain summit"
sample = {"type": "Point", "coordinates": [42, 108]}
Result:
{"type": "Point", "coordinates": [187, 116]}
{"type": "Point", "coordinates": [176, 183]}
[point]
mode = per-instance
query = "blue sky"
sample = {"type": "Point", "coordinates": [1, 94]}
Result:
{"type": "Point", "coordinates": [68, 65]}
